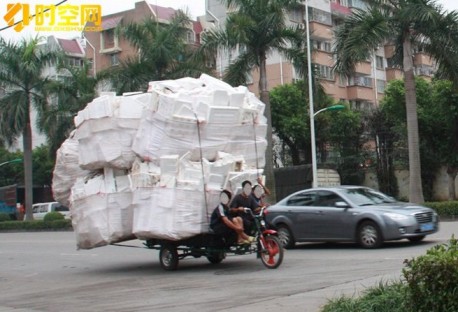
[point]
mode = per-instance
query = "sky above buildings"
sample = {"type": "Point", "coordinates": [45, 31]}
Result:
{"type": "Point", "coordinates": [195, 7]}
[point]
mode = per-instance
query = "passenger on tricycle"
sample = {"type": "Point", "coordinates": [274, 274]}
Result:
{"type": "Point", "coordinates": [229, 227]}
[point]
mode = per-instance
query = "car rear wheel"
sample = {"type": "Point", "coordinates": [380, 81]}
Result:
{"type": "Point", "coordinates": [285, 236]}
{"type": "Point", "coordinates": [369, 235]}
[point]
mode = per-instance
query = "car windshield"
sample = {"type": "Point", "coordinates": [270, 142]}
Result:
{"type": "Point", "coordinates": [367, 197]}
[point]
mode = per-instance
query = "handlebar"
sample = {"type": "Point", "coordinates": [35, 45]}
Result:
{"type": "Point", "coordinates": [248, 210]}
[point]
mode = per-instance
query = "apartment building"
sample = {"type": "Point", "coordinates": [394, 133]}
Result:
{"type": "Point", "coordinates": [106, 48]}
{"type": "Point", "coordinates": [363, 90]}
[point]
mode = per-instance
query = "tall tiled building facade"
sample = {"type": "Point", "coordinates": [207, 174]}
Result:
{"type": "Point", "coordinates": [364, 89]}
{"type": "Point", "coordinates": [106, 48]}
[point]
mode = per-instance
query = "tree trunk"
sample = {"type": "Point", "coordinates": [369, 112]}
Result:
{"type": "Point", "coordinates": [452, 173]}
{"type": "Point", "coordinates": [264, 96]}
{"type": "Point", "coordinates": [28, 174]}
{"type": "Point", "coordinates": [415, 186]}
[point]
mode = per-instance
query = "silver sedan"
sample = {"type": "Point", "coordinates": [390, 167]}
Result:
{"type": "Point", "coordinates": [349, 213]}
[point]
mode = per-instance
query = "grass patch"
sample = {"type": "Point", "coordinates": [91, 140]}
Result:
{"type": "Point", "coordinates": [381, 298]}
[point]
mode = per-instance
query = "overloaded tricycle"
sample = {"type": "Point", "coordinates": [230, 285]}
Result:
{"type": "Point", "coordinates": [215, 247]}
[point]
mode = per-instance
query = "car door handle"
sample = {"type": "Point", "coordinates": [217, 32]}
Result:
{"type": "Point", "coordinates": [319, 212]}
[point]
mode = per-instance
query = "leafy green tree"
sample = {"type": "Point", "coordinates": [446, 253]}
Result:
{"type": "Point", "coordinates": [162, 53]}
{"type": "Point", "coordinates": [12, 173]}
{"type": "Point", "coordinates": [291, 120]}
{"type": "Point", "coordinates": [381, 130]}
{"type": "Point", "coordinates": [393, 106]}
{"type": "Point", "coordinates": [441, 121]}
{"type": "Point", "coordinates": [69, 96]}
{"type": "Point", "coordinates": [345, 134]}
{"type": "Point", "coordinates": [256, 28]}
{"type": "Point", "coordinates": [21, 67]}
{"type": "Point", "coordinates": [43, 166]}
{"type": "Point", "coordinates": [405, 24]}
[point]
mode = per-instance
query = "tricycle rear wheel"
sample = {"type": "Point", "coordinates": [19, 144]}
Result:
{"type": "Point", "coordinates": [216, 257]}
{"type": "Point", "coordinates": [168, 257]}
{"type": "Point", "coordinates": [272, 254]}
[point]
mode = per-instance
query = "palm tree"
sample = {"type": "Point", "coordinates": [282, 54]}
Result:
{"type": "Point", "coordinates": [70, 94]}
{"type": "Point", "coordinates": [257, 28]}
{"type": "Point", "coordinates": [404, 24]}
{"type": "Point", "coordinates": [21, 66]}
{"type": "Point", "coordinates": [162, 53]}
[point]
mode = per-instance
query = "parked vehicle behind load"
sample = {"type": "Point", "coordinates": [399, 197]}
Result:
{"type": "Point", "coordinates": [349, 213]}
{"type": "Point", "coordinates": [41, 209]}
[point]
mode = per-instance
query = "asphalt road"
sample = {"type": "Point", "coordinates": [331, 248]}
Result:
{"type": "Point", "coordinates": [43, 271]}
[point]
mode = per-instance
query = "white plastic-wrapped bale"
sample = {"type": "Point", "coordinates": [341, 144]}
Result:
{"type": "Point", "coordinates": [66, 170]}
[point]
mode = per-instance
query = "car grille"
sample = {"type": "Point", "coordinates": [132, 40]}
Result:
{"type": "Point", "coordinates": [424, 217]}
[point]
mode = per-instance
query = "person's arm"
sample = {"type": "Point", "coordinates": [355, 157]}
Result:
{"type": "Point", "coordinates": [235, 206]}
{"type": "Point", "coordinates": [266, 190]}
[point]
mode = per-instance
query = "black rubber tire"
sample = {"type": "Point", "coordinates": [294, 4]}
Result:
{"type": "Point", "coordinates": [285, 236]}
{"type": "Point", "coordinates": [272, 256]}
{"type": "Point", "coordinates": [416, 239]}
{"type": "Point", "coordinates": [369, 235]}
{"type": "Point", "coordinates": [216, 257]}
{"type": "Point", "coordinates": [168, 257]}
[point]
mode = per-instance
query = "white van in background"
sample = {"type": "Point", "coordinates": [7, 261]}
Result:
{"type": "Point", "coordinates": [41, 209]}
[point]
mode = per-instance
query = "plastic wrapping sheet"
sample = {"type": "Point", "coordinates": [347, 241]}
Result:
{"type": "Point", "coordinates": [66, 170]}
{"type": "Point", "coordinates": [169, 213]}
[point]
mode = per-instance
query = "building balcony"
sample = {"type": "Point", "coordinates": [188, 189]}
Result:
{"type": "Point", "coordinates": [393, 73]}
{"type": "Point", "coordinates": [320, 31]}
{"type": "Point", "coordinates": [360, 93]}
{"type": "Point", "coordinates": [339, 10]}
{"type": "Point", "coordinates": [422, 59]}
{"type": "Point", "coordinates": [364, 68]}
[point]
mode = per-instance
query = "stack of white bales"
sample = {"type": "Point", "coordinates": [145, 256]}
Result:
{"type": "Point", "coordinates": [160, 159]}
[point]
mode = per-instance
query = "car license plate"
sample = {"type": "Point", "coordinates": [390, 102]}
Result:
{"type": "Point", "coordinates": [426, 227]}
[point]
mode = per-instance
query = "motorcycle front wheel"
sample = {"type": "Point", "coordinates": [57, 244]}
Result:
{"type": "Point", "coordinates": [272, 253]}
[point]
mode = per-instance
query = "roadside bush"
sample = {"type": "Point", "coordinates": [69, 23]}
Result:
{"type": "Point", "coordinates": [52, 216]}
{"type": "Point", "coordinates": [4, 217]}
{"type": "Point", "coordinates": [36, 225]}
{"type": "Point", "coordinates": [381, 298]}
{"type": "Point", "coordinates": [432, 279]}
{"type": "Point", "coordinates": [446, 209]}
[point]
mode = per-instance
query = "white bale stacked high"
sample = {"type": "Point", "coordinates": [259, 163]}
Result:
{"type": "Point", "coordinates": [178, 146]}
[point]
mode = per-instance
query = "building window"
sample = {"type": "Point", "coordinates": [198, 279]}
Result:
{"type": "Point", "coordinates": [361, 105]}
{"type": "Point", "coordinates": [322, 45]}
{"type": "Point", "coordinates": [190, 37]}
{"type": "Point", "coordinates": [74, 62]}
{"type": "Point", "coordinates": [362, 81]}
{"type": "Point", "coordinates": [325, 72]}
{"type": "Point", "coordinates": [381, 86]}
{"type": "Point", "coordinates": [114, 59]}
{"type": "Point", "coordinates": [108, 39]}
{"type": "Point", "coordinates": [320, 16]}
{"type": "Point", "coordinates": [379, 62]}
{"type": "Point", "coordinates": [296, 15]}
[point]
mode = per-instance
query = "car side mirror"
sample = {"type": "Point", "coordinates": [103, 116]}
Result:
{"type": "Point", "coordinates": [342, 204]}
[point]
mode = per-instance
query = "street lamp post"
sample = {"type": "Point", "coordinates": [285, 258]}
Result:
{"type": "Point", "coordinates": [312, 134]}
{"type": "Point", "coordinates": [13, 161]}
{"type": "Point", "coordinates": [312, 115]}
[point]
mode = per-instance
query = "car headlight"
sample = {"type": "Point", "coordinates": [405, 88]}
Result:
{"type": "Point", "coordinates": [396, 216]}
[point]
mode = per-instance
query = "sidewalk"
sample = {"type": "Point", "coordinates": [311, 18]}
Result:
{"type": "Point", "coordinates": [314, 300]}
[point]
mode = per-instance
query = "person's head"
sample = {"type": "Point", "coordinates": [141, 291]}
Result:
{"type": "Point", "coordinates": [257, 191]}
{"type": "Point", "coordinates": [246, 187]}
{"type": "Point", "coordinates": [225, 197]}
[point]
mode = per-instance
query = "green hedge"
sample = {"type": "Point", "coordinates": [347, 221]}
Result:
{"type": "Point", "coordinates": [445, 209]}
{"type": "Point", "coordinates": [36, 225]}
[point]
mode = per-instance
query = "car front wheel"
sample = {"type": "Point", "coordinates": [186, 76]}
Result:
{"type": "Point", "coordinates": [369, 235]}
